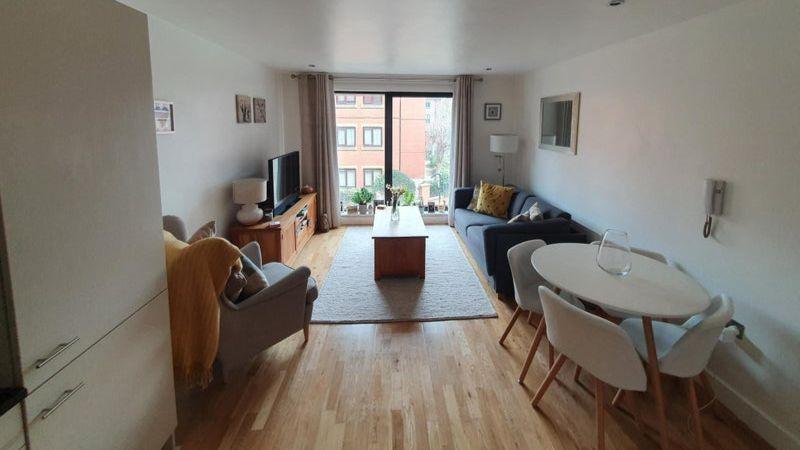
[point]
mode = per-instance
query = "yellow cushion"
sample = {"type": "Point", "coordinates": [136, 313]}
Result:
{"type": "Point", "coordinates": [494, 200]}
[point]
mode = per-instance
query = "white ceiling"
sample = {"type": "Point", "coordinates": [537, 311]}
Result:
{"type": "Point", "coordinates": [419, 36]}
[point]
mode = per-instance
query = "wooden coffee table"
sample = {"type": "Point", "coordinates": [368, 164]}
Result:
{"type": "Point", "coordinates": [399, 245]}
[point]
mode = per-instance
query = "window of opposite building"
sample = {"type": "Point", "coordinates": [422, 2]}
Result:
{"type": "Point", "coordinates": [371, 175]}
{"type": "Point", "coordinates": [373, 137]}
{"type": "Point", "coordinates": [345, 100]}
{"type": "Point", "coordinates": [347, 178]}
{"type": "Point", "coordinates": [372, 100]}
{"type": "Point", "coordinates": [345, 136]}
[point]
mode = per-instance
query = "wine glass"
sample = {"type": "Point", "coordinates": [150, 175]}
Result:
{"type": "Point", "coordinates": [614, 253]}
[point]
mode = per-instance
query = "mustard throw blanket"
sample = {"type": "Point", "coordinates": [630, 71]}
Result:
{"type": "Point", "coordinates": [196, 276]}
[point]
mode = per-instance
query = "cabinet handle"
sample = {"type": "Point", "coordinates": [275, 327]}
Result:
{"type": "Point", "coordinates": [61, 400]}
{"type": "Point", "coordinates": [57, 351]}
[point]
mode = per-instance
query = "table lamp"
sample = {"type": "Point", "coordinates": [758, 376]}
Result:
{"type": "Point", "coordinates": [502, 144]}
{"type": "Point", "coordinates": [248, 192]}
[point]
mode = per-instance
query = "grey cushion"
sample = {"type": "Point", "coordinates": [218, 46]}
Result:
{"type": "Point", "coordinates": [234, 286]}
{"type": "Point", "coordinates": [256, 280]}
{"type": "Point", "coordinates": [206, 231]}
{"type": "Point", "coordinates": [517, 200]}
{"type": "Point", "coordinates": [465, 218]}
{"type": "Point", "coordinates": [275, 271]}
{"type": "Point", "coordinates": [548, 211]}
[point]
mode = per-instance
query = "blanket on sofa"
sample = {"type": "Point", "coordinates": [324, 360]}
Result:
{"type": "Point", "coordinates": [196, 275]}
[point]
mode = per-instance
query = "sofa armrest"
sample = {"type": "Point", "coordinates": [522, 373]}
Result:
{"type": "Point", "coordinates": [253, 252]}
{"type": "Point", "coordinates": [462, 197]}
{"type": "Point", "coordinates": [294, 281]}
{"type": "Point", "coordinates": [493, 235]}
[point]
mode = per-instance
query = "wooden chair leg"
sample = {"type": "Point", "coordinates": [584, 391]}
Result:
{"type": "Point", "coordinates": [600, 412]}
{"type": "Point", "coordinates": [707, 385]}
{"type": "Point", "coordinates": [654, 377]}
{"type": "Point", "coordinates": [510, 325]}
{"type": "Point", "coordinates": [550, 355]}
{"type": "Point", "coordinates": [549, 379]}
{"type": "Point", "coordinates": [633, 409]}
{"type": "Point", "coordinates": [698, 427]}
{"type": "Point", "coordinates": [617, 397]}
{"type": "Point", "coordinates": [537, 338]}
{"type": "Point", "coordinates": [577, 377]}
{"type": "Point", "coordinates": [305, 333]}
{"type": "Point", "coordinates": [530, 317]}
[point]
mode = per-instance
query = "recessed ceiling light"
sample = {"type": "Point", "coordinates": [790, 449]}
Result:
{"type": "Point", "coordinates": [616, 2]}
{"type": "Point", "coordinates": [312, 65]}
{"type": "Point", "coordinates": [488, 69]}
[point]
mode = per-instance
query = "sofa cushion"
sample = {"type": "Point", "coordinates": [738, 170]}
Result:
{"type": "Point", "coordinates": [476, 192]}
{"type": "Point", "coordinates": [494, 200]}
{"type": "Point", "coordinates": [517, 200]}
{"type": "Point", "coordinates": [548, 211]}
{"type": "Point", "coordinates": [206, 231]}
{"type": "Point", "coordinates": [465, 218]}
{"type": "Point", "coordinates": [255, 279]}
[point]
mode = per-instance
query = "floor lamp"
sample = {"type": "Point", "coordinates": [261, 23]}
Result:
{"type": "Point", "coordinates": [500, 145]}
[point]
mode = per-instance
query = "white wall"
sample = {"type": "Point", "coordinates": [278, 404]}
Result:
{"type": "Point", "coordinates": [209, 150]}
{"type": "Point", "coordinates": [716, 96]}
{"type": "Point", "coordinates": [502, 89]}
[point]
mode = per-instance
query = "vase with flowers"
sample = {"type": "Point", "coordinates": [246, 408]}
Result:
{"type": "Point", "coordinates": [396, 192]}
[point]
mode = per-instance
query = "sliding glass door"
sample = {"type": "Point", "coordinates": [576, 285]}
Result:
{"type": "Point", "coordinates": [393, 138]}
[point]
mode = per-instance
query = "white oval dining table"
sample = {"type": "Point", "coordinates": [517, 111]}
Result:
{"type": "Point", "coordinates": [651, 289]}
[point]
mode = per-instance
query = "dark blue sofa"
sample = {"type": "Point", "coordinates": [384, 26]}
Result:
{"type": "Point", "coordinates": [489, 238]}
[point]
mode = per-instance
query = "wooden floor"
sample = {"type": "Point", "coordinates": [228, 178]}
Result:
{"type": "Point", "coordinates": [420, 385]}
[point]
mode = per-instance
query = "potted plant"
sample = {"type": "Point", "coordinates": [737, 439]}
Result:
{"type": "Point", "coordinates": [362, 197]}
{"type": "Point", "coordinates": [408, 198]}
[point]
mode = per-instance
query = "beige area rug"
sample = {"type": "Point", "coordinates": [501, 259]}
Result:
{"type": "Point", "coordinates": [450, 290]}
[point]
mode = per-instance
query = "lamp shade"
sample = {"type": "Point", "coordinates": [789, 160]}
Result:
{"type": "Point", "coordinates": [503, 143]}
{"type": "Point", "coordinates": [249, 190]}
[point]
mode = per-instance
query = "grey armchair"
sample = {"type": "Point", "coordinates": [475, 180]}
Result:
{"type": "Point", "coordinates": [266, 317]}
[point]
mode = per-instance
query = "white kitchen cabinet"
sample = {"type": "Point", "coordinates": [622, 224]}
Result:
{"type": "Point", "coordinates": [78, 174]}
{"type": "Point", "coordinates": [12, 433]}
{"type": "Point", "coordinates": [81, 213]}
{"type": "Point", "coordinates": [118, 395]}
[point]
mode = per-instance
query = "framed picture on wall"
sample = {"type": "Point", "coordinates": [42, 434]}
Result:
{"type": "Point", "coordinates": [259, 110]}
{"type": "Point", "coordinates": [492, 111]}
{"type": "Point", "coordinates": [244, 112]}
{"type": "Point", "coordinates": [163, 112]}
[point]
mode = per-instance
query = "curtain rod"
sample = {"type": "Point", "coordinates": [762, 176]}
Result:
{"type": "Point", "coordinates": [383, 78]}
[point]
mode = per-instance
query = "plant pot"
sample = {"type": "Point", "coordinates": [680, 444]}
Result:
{"type": "Point", "coordinates": [362, 209]}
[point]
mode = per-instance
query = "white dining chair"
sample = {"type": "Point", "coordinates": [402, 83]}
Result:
{"type": "Point", "coordinates": [526, 293]}
{"type": "Point", "coordinates": [599, 346]}
{"type": "Point", "coordinates": [684, 350]}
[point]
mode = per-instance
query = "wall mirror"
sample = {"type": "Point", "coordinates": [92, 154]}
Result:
{"type": "Point", "coordinates": [558, 127]}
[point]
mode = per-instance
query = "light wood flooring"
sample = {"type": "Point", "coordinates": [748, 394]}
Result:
{"type": "Point", "coordinates": [421, 385]}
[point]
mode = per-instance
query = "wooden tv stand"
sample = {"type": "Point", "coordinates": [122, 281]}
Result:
{"type": "Point", "coordinates": [281, 242]}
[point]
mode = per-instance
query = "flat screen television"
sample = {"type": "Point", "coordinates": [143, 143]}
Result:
{"type": "Point", "coordinates": [283, 184]}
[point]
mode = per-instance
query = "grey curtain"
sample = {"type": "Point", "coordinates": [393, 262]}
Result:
{"type": "Point", "coordinates": [318, 144]}
{"type": "Point", "coordinates": [460, 158]}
